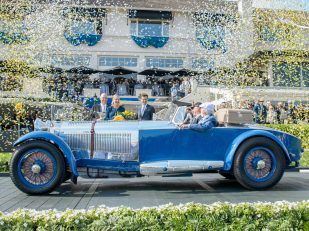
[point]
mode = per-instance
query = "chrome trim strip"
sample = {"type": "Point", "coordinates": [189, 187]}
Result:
{"type": "Point", "coordinates": [178, 166]}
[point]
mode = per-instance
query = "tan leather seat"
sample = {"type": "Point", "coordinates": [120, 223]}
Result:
{"type": "Point", "coordinates": [234, 116]}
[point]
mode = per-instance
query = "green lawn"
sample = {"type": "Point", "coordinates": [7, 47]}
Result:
{"type": "Point", "coordinates": [5, 157]}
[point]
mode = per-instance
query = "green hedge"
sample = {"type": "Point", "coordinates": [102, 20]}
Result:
{"type": "Point", "coordinates": [4, 161]}
{"type": "Point", "coordinates": [299, 130]}
{"type": "Point", "coordinates": [217, 216]}
{"type": "Point", "coordinates": [304, 161]}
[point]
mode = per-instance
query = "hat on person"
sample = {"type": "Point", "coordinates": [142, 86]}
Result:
{"type": "Point", "coordinates": [261, 100]}
{"type": "Point", "coordinates": [209, 107]}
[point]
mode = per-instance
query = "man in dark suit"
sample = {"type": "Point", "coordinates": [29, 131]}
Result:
{"type": "Point", "coordinates": [145, 111]}
{"type": "Point", "coordinates": [260, 112]}
{"type": "Point", "coordinates": [101, 108]}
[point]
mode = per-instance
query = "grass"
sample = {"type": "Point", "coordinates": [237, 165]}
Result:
{"type": "Point", "coordinates": [5, 158]}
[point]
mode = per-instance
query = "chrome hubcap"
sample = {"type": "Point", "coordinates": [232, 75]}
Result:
{"type": "Point", "coordinates": [36, 168]}
{"type": "Point", "coordinates": [260, 164]}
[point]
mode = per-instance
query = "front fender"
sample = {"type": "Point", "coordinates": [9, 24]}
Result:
{"type": "Point", "coordinates": [56, 140]}
{"type": "Point", "coordinates": [237, 142]}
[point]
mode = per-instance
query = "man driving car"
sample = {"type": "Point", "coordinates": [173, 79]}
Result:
{"type": "Point", "coordinates": [207, 121]}
{"type": "Point", "coordinates": [196, 113]}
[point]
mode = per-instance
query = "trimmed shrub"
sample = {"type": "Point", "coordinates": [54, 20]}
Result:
{"type": "Point", "coordinates": [299, 130]}
{"type": "Point", "coordinates": [217, 216]}
{"type": "Point", "coordinates": [4, 161]}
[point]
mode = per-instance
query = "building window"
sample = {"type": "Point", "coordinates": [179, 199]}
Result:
{"type": "Point", "coordinates": [267, 34]}
{"type": "Point", "coordinates": [70, 60]}
{"type": "Point", "coordinates": [151, 28]}
{"type": "Point", "coordinates": [83, 27]}
{"type": "Point", "coordinates": [13, 31]}
{"type": "Point", "coordinates": [114, 61]}
{"type": "Point", "coordinates": [211, 29]}
{"type": "Point", "coordinates": [211, 37]}
{"type": "Point", "coordinates": [203, 64]}
{"type": "Point", "coordinates": [157, 62]}
{"type": "Point", "coordinates": [291, 74]}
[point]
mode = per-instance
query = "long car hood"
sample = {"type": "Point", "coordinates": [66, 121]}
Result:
{"type": "Point", "coordinates": [81, 127]}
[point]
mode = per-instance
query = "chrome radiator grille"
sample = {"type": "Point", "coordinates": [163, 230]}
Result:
{"type": "Point", "coordinates": [119, 143]}
{"type": "Point", "coordinates": [116, 145]}
{"type": "Point", "coordinates": [78, 140]}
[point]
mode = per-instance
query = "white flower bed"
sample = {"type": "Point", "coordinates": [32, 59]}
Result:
{"type": "Point", "coordinates": [218, 216]}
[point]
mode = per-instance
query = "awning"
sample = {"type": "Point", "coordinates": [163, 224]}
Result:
{"type": "Point", "coordinates": [154, 72]}
{"type": "Point", "coordinates": [150, 14]}
{"type": "Point", "coordinates": [184, 72]}
{"type": "Point", "coordinates": [119, 71]}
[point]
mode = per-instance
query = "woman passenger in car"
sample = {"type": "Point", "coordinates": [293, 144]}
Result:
{"type": "Point", "coordinates": [115, 107]}
{"type": "Point", "coordinates": [208, 119]}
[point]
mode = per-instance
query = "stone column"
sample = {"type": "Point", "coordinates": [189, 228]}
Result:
{"type": "Point", "coordinates": [270, 74]}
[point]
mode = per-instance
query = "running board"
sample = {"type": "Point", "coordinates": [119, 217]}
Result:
{"type": "Point", "coordinates": [188, 174]}
{"type": "Point", "coordinates": [178, 166]}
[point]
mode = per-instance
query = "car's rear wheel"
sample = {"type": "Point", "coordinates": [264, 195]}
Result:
{"type": "Point", "coordinates": [259, 163]}
{"type": "Point", "coordinates": [37, 167]}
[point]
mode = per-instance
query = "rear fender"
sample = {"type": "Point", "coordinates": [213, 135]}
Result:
{"type": "Point", "coordinates": [55, 140]}
{"type": "Point", "coordinates": [229, 157]}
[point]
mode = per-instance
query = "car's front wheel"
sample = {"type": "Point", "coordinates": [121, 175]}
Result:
{"type": "Point", "coordinates": [37, 167]}
{"type": "Point", "coordinates": [259, 163]}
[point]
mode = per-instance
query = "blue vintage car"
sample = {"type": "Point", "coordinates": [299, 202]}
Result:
{"type": "Point", "coordinates": [255, 156]}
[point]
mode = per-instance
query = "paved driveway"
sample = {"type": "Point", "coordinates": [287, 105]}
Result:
{"type": "Point", "coordinates": [151, 191]}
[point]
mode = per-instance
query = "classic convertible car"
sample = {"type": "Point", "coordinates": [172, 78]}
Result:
{"type": "Point", "coordinates": [255, 156]}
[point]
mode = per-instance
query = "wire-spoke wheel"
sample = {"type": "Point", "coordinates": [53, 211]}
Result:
{"type": "Point", "coordinates": [259, 163]}
{"type": "Point", "coordinates": [37, 167]}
